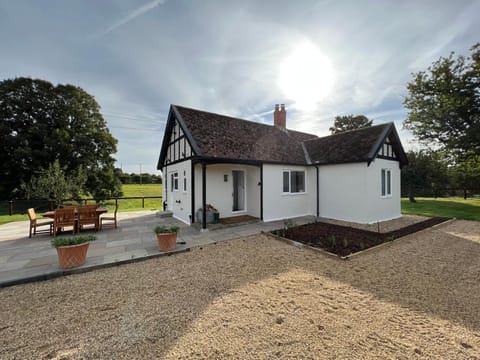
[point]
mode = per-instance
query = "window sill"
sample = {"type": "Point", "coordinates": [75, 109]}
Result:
{"type": "Point", "coordinates": [294, 194]}
{"type": "Point", "coordinates": [386, 196]}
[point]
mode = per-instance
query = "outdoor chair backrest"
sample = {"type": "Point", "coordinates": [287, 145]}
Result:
{"type": "Point", "coordinates": [87, 215]}
{"type": "Point", "coordinates": [69, 207]}
{"type": "Point", "coordinates": [31, 215]}
{"type": "Point", "coordinates": [64, 217]}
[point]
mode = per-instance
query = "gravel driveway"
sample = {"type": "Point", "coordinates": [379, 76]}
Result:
{"type": "Point", "coordinates": [260, 298]}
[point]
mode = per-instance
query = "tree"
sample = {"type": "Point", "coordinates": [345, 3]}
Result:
{"type": "Point", "coordinates": [466, 173]}
{"type": "Point", "coordinates": [349, 122]}
{"type": "Point", "coordinates": [41, 123]}
{"type": "Point", "coordinates": [444, 104]}
{"type": "Point", "coordinates": [53, 184]}
{"type": "Point", "coordinates": [426, 173]}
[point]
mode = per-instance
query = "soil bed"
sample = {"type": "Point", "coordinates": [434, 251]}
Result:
{"type": "Point", "coordinates": [345, 240]}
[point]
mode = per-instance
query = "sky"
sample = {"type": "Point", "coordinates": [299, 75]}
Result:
{"type": "Point", "coordinates": [137, 57]}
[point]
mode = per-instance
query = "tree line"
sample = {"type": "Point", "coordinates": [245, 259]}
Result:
{"type": "Point", "coordinates": [143, 178]}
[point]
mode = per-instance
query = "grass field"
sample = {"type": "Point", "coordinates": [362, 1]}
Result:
{"type": "Point", "coordinates": [451, 207]}
{"type": "Point", "coordinates": [129, 190]}
{"type": "Point", "coordinates": [135, 190]}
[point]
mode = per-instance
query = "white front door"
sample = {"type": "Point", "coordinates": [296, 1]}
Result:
{"type": "Point", "coordinates": [172, 189]}
{"type": "Point", "coordinates": [238, 190]}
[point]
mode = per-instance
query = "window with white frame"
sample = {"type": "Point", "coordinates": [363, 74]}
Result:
{"type": "Point", "coordinates": [174, 181]}
{"type": "Point", "coordinates": [386, 182]}
{"type": "Point", "coordinates": [293, 181]}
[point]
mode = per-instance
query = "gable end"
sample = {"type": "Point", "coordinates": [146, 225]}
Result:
{"type": "Point", "coordinates": [178, 144]}
{"type": "Point", "coordinates": [389, 147]}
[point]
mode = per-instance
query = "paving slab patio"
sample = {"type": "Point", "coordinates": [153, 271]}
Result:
{"type": "Point", "coordinates": [24, 259]}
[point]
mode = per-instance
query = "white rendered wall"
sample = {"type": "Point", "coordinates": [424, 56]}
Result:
{"type": "Point", "coordinates": [181, 210]}
{"type": "Point", "coordinates": [352, 192]}
{"type": "Point", "coordinates": [277, 205]}
{"type": "Point", "coordinates": [342, 192]}
{"type": "Point", "coordinates": [220, 192]}
{"type": "Point", "coordinates": [388, 207]}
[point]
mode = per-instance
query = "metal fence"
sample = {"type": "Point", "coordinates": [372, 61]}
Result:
{"type": "Point", "coordinates": [440, 192]}
{"type": "Point", "coordinates": [20, 206]}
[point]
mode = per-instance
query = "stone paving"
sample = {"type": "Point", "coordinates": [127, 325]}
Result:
{"type": "Point", "coordinates": [24, 259]}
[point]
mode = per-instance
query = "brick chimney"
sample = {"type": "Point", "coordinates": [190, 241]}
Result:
{"type": "Point", "coordinates": [280, 116]}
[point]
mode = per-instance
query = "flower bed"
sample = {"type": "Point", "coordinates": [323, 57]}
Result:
{"type": "Point", "coordinates": [344, 240]}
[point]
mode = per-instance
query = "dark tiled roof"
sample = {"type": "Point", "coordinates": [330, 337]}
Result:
{"type": "Point", "coordinates": [348, 146]}
{"type": "Point", "coordinates": [226, 138]}
{"type": "Point", "coordinates": [219, 136]}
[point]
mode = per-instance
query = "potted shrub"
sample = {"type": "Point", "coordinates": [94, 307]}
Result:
{"type": "Point", "coordinates": [212, 214]}
{"type": "Point", "coordinates": [72, 251]}
{"type": "Point", "coordinates": [167, 237]}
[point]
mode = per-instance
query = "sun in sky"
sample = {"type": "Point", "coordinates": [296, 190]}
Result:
{"type": "Point", "coordinates": [306, 76]}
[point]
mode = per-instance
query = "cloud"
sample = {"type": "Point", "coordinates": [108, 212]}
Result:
{"type": "Point", "coordinates": [131, 16]}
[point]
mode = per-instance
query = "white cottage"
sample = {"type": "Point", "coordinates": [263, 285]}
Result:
{"type": "Point", "coordinates": [270, 172]}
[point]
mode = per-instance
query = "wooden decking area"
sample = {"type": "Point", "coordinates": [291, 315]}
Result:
{"type": "Point", "coordinates": [237, 219]}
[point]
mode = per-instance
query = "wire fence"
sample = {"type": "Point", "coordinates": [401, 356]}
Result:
{"type": "Point", "coordinates": [440, 192]}
{"type": "Point", "coordinates": [20, 206]}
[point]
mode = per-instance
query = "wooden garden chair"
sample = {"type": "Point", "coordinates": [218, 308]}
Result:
{"type": "Point", "coordinates": [87, 215]}
{"type": "Point", "coordinates": [112, 220]}
{"type": "Point", "coordinates": [34, 224]}
{"type": "Point", "coordinates": [64, 218]}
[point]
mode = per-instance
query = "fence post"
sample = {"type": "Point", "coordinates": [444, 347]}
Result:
{"type": "Point", "coordinates": [10, 208]}
{"type": "Point", "coordinates": [116, 201]}
{"type": "Point", "coordinates": [143, 202]}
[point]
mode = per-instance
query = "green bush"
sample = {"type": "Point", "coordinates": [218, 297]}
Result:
{"type": "Point", "coordinates": [166, 230]}
{"type": "Point", "coordinates": [76, 240]}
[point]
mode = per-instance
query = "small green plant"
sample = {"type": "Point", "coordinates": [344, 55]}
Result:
{"type": "Point", "coordinates": [289, 224]}
{"type": "Point", "coordinates": [160, 229]}
{"type": "Point", "coordinates": [333, 242]}
{"type": "Point", "coordinates": [345, 242]}
{"type": "Point", "coordinates": [362, 246]}
{"type": "Point", "coordinates": [76, 240]}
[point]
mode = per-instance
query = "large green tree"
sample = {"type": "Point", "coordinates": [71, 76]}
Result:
{"type": "Point", "coordinates": [427, 173]}
{"type": "Point", "coordinates": [349, 122]}
{"type": "Point", "coordinates": [466, 173]}
{"type": "Point", "coordinates": [443, 104]}
{"type": "Point", "coordinates": [41, 123]}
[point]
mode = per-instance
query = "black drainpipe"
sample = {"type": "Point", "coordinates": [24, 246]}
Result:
{"type": "Point", "coordinates": [192, 175]}
{"type": "Point", "coordinates": [318, 200]}
{"type": "Point", "coordinates": [261, 192]}
{"type": "Point", "coordinates": [204, 195]}
{"type": "Point", "coordinates": [165, 186]}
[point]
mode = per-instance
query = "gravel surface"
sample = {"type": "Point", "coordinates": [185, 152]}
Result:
{"type": "Point", "coordinates": [260, 298]}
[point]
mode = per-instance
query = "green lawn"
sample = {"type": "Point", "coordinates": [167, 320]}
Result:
{"type": "Point", "coordinates": [135, 190]}
{"type": "Point", "coordinates": [130, 190]}
{"type": "Point", "coordinates": [451, 207]}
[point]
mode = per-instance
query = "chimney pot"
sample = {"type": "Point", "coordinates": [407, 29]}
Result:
{"type": "Point", "coordinates": [280, 116]}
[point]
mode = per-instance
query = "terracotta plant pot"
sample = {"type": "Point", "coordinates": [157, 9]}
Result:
{"type": "Point", "coordinates": [167, 241]}
{"type": "Point", "coordinates": [72, 255]}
